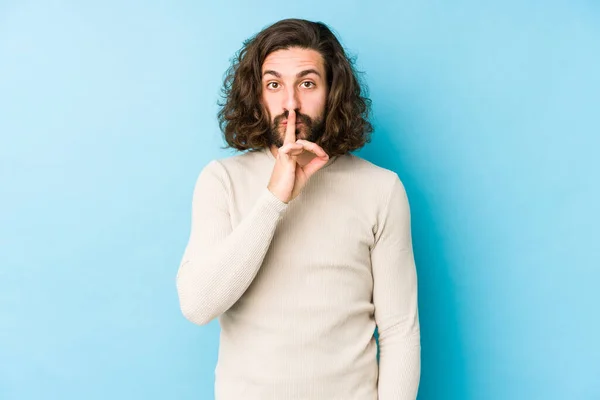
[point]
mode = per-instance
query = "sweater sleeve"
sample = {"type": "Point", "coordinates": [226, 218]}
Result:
{"type": "Point", "coordinates": [395, 300]}
{"type": "Point", "coordinates": [219, 262]}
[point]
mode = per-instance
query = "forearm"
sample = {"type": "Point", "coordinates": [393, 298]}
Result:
{"type": "Point", "coordinates": [213, 276]}
{"type": "Point", "coordinates": [399, 365]}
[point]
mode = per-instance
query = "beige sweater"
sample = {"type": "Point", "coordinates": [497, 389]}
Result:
{"type": "Point", "coordinates": [300, 287]}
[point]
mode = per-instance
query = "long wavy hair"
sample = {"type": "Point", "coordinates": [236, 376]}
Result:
{"type": "Point", "coordinates": [244, 121]}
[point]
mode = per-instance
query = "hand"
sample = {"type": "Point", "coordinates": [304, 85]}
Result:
{"type": "Point", "coordinates": [288, 177]}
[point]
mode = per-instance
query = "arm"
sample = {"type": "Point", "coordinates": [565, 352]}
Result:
{"type": "Point", "coordinates": [219, 263]}
{"type": "Point", "coordinates": [395, 300]}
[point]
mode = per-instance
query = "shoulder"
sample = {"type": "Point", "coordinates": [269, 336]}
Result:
{"type": "Point", "coordinates": [227, 165]}
{"type": "Point", "coordinates": [382, 190]}
{"type": "Point", "coordinates": [241, 171]}
{"type": "Point", "coordinates": [369, 186]}
{"type": "Point", "coordinates": [241, 160]}
{"type": "Point", "coordinates": [369, 174]}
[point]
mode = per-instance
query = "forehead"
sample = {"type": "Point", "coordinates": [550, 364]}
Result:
{"type": "Point", "coordinates": [289, 61]}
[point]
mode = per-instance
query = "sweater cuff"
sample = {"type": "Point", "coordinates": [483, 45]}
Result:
{"type": "Point", "coordinates": [272, 202]}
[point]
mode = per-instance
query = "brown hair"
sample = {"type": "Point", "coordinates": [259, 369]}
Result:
{"type": "Point", "coordinates": [245, 123]}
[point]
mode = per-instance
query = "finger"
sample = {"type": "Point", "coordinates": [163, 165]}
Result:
{"type": "Point", "coordinates": [314, 165]}
{"type": "Point", "coordinates": [291, 149]}
{"type": "Point", "coordinates": [313, 148]}
{"type": "Point", "coordinates": [290, 129]}
{"type": "Point", "coordinates": [286, 147]}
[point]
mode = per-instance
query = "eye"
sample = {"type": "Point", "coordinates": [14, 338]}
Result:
{"type": "Point", "coordinates": [272, 83]}
{"type": "Point", "coordinates": [309, 82]}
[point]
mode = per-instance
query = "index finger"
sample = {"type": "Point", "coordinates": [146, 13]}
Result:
{"type": "Point", "coordinates": [290, 129]}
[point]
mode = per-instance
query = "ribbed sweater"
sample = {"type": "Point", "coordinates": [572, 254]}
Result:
{"type": "Point", "coordinates": [300, 287]}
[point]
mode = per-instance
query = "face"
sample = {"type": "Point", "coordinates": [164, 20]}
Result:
{"type": "Point", "coordinates": [294, 79]}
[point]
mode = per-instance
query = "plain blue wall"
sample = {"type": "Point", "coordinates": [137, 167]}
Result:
{"type": "Point", "coordinates": [489, 114]}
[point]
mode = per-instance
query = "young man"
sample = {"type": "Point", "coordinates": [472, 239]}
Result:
{"type": "Point", "coordinates": [299, 247]}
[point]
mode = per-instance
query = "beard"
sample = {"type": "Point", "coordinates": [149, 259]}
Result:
{"type": "Point", "coordinates": [310, 129]}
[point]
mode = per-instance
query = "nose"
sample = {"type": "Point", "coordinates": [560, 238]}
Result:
{"type": "Point", "coordinates": [291, 100]}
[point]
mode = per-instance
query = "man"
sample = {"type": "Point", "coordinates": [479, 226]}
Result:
{"type": "Point", "coordinates": [299, 247]}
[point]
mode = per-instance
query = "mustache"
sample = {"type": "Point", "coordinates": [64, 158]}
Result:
{"type": "Point", "coordinates": [299, 117]}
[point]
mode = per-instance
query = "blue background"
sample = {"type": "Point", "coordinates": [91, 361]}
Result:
{"type": "Point", "coordinates": [488, 112]}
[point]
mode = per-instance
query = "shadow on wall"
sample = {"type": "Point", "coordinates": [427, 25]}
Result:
{"type": "Point", "coordinates": [443, 362]}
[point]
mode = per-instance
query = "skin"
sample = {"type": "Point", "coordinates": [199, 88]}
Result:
{"type": "Point", "coordinates": [294, 91]}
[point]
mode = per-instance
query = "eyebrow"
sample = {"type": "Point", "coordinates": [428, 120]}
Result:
{"type": "Point", "coordinates": [298, 75]}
